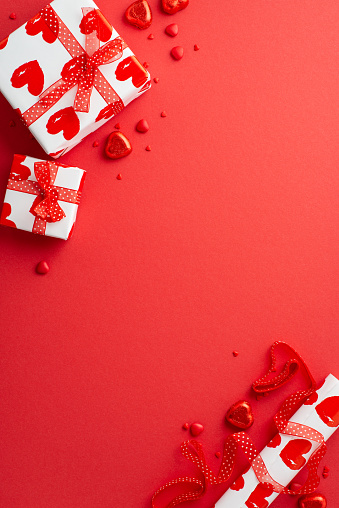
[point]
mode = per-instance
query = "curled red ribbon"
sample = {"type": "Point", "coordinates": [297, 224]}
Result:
{"type": "Point", "coordinates": [193, 451]}
{"type": "Point", "coordinates": [81, 71]}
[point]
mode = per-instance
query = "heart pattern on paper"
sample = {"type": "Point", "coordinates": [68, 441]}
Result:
{"type": "Point", "coordinates": [30, 74]}
{"type": "Point", "coordinates": [276, 441]}
{"type": "Point", "coordinates": [96, 21]}
{"type": "Point", "coordinates": [65, 120]}
{"type": "Point", "coordinates": [18, 170]}
{"type": "Point", "coordinates": [6, 212]}
{"type": "Point", "coordinates": [328, 411]}
{"type": "Point", "coordinates": [292, 453]}
{"type": "Point", "coordinates": [37, 24]}
{"type": "Point", "coordinates": [258, 497]}
{"type": "Point", "coordinates": [3, 43]}
{"type": "Point", "coordinates": [131, 68]}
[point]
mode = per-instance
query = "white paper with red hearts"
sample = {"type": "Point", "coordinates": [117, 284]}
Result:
{"type": "Point", "coordinates": [22, 48]}
{"type": "Point", "coordinates": [246, 492]}
{"type": "Point", "coordinates": [16, 208]}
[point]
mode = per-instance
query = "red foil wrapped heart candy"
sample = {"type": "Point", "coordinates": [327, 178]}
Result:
{"type": "Point", "coordinates": [117, 145]}
{"type": "Point", "coordinates": [240, 415]}
{"type": "Point", "coordinates": [312, 501]}
{"type": "Point", "coordinates": [139, 14]}
{"type": "Point", "coordinates": [173, 6]}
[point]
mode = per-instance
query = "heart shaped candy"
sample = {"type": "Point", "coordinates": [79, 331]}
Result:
{"type": "Point", "coordinates": [139, 14]}
{"type": "Point", "coordinates": [240, 415]}
{"type": "Point", "coordinates": [117, 145]}
{"type": "Point", "coordinates": [196, 429]}
{"type": "Point", "coordinates": [177, 52]}
{"type": "Point", "coordinates": [312, 501]}
{"type": "Point", "coordinates": [30, 74]}
{"type": "Point", "coordinates": [172, 30]}
{"type": "Point", "coordinates": [173, 6]}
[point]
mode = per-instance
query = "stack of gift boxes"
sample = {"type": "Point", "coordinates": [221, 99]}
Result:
{"type": "Point", "coordinates": [66, 72]}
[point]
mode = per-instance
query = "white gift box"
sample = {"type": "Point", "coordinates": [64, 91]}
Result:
{"type": "Point", "coordinates": [284, 457]}
{"type": "Point", "coordinates": [34, 60]}
{"type": "Point", "coordinates": [24, 194]}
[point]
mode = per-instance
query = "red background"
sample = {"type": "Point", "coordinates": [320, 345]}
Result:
{"type": "Point", "coordinates": [223, 237]}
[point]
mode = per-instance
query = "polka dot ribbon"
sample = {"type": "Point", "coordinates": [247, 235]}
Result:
{"type": "Point", "coordinates": [81, 71]}
{"type": "Point", "coordinates": [45, 207]}
{"type": "Point", "coordinates": [195, 487]}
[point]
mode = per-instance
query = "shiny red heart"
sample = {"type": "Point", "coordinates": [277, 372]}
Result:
{"type": "Point", "coordinates": [172, 30]}
{"type": "Point", "coordinates": [30, 74]}
{"type": "Point", "coordinates": [38, 24]}
{"type": "Point", "coordinates": [173, 6]}
{"type": "Point", "coordinates": [292, 453]}
{"type": "Point", "coordinates": [258, 497]}
{"type": "Point", "coordinates": [240, 415]}
{"type": "Point", "coordinates": [18, 170]}
{"type": "Point", "coordinates": [6, 211]}
{"type": "Point", "coordinates": [177, 52]}
{"type": "Point", "coordinates": [196, 429]}
{"type": "Point", "coordinates": [65, 120]}
{"type": "Point", "coordinates": [328, 411]}
{"type": "Point", "coordinates": [110, 110]}
{"type": "Point", "coordinates": [117, 145]}
{"type": "Point", "coordinates": [139, 14]}
{"type": "Point", "coordinates": [130, 67]}
{"type": "Point", "coordinates": [96, 21]}
{"type": "Point", "coordinates": [312, 501]}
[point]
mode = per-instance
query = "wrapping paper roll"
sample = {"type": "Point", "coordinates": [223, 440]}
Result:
{"type": "Point", "coordinates": [286, 455]}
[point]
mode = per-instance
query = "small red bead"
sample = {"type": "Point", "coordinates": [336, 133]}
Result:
{"type": "Point", "coordinates": [177, 52]}
{"type": "Point", "coordinates": [146, 65]}
{"type": "Point", "coordinates": [148, 148]}
{"type": "Point", "coordinates": [12, 123]}
{"type": "Point", "coordinates": [163, 114]}
{"type": "Point", "coordinates": [95, 144]}
{"type": "Point", "coordinates": [235, 353]}
{"type": "Point", "coordinates": [142, 126]}
{"type": "Point", "coordinates": [196, 47]}
{"type": "Point", "coordinates": [119, 176]}
{"type": "Point", "coordinates": [42, 268]}
{"type": "Point", "coordinates": [217, 454]}
{"type": "Point", "coordinates": [185, 426]}
{"type": "Point", "coordinates": [150, 37]}
{"type": "Point", "coordinates": [156, 80]}
{"type": "Point", "coordinates": [12, 15]}
{"type": "Point", "coordinates": [117, 126]}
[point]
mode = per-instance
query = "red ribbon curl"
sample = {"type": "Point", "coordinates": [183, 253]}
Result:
{"type": "Point", "coordinates": [192, 450]}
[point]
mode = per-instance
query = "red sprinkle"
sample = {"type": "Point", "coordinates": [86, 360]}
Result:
{"type": "Point", "coordinates": [148, 148]}
{"type": "Point", "coordinates": [95, 144]}
{"type": "Point", "coordinates": [42, 268]}
{"type": "Point", "coordinates": [196, 47]}
{"type": "Point", "coordinates": [185, 426]}
{"type": "Point", "coordinates": [142, 126]}
{"type": "Point", "coordinates": [12, 15]}
{"type": "Point", "coordinates": [156, 80]}
{"type": "Point", "coordinates": [12, 123]}
{"type": "Point", "coordinates": [117, 126]}
{"type": "Point", "coordinates": [217, 454]}
{"type": "Point", "coordinates": [163, 114]}
{"type": "Point", "coordinates": [119, 177]}
{"type": "Point", "coordinates": [150, 37]}
{"type": "Point", "coordinates": [177, 52]}
{"type": "Point", "coordinates": [326, 469]}
{"type": "Point", "coordinates": [146, 65]}
{"type": "Point", "coordinates": [325, 475]}
{"type": "Point", "coordinates": [235, 353]}
{"type": "Point", "coordinates": [259, 396]}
